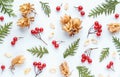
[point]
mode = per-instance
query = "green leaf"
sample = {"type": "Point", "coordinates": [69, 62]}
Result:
{"type": "Point", "coordinates": [46, 8]}
{"type": "Point", "coordinates": [84, 72]}
{"type": "Point", "coordinates": [70, 51]}
{"type": "Point", "coordinates": [38, 51]}
{"type": "Point", "coordinates": [4, 31]}
{"type": "Point", "coordinates": [105, 8]}
{"type": "Point", "coordinates": [116, 41]}
{"type": "Point", "coordinates": [6, 7]}
{"type": "Point", "coordinates": [104, 54]}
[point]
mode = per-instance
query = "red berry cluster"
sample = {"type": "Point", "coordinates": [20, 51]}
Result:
{"type": "Point", "coordinates": [1, 18]}
{"type": "Point", "coordinates": [86, 55]}
{"type": "Point", "coordinates": [14, 40]}
{"type": "Point", "coordinates": [110, 65]}
{"type": "Point", "coordinates": [38, 67]}
{"type": "Point", "coordinates": [37, 33]}
{"type": "Point", "coordinates": [80, 9]}
{"type": "Point", "coordinates": [86, 58]}
{"type": "Point", "coordinates": [56, 43]}
{"type": "Point", "coordinates": [98, 28]}
{"type": "Point", "coordinates": [2, 67]}
{"type": "Point", "coordinates": [95, 29]}
{"type": "Point", "coordinates": [116, 15]}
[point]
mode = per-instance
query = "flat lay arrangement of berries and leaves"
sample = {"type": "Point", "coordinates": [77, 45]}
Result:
{"type": "Point", "coordinates": [59, 38]}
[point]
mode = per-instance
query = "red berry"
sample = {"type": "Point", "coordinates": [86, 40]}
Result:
{"type": "Point", "coordinates": [1, 18]}
{"type": "Point", "coordinates": [80, 8]}
{"type": "Point", "coordinates": [98, 34]}
{"type": "Point", "coordinates": [2, 67]}
{"type": "Point", "coordinates": [35, 63]}
{"type": "Point", "coordinates": [116, 16]}
{"type": "Point", "coordinates": [83, 56]}
{"type": "Point", "coordinates": [111, 63]}
{"type": "Point", "coordinates": [83, 60]}
{"type": "Point", "coordinates": [37, 29]}
{"type": "Point", "coordinates": [99, 30]}
{"type": "Point", "coordinates": [89, 60]}
{"type": "Point", "coordinates": [39, 63]}
{"type": "Point", "coordinates": [100, 26]}
{"type": "Point", "coordinates": [96, 27]}
{"type": "Point", "coordinates": [15, 38]}
{"type": "Point", "coordinates": [41, 29]}
{"type": "Point", "coordinates": [87, 57]}
{"type": "Point", "coordinates": [82, 13]}
{"type": "Point", "coordinates": [56, 45]}
{"type": "Point", "coordinates": [96, 23]}
{"type": "Point", "coordinates": [58, 8]}
{"type": "Point", "coordinates": [32, 31]}
{"type": "Point", "coordinates": [108, 66]}
{"type": "Point", "coordinates": [39, 67]}
{"type": "Point", "coordinates": [13, 42]}
{"type": "Point", "coordinates": [54, 42]}
{"type": "Point", "coordinates": [43, 65]}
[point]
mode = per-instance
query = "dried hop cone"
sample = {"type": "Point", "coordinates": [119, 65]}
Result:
{"type": "Point", "coordinates": [65, 69]}
{"type": "Point", "coordinates": [26, 8]}
{"type": "Point", "coordinates": [25, 21]}
{"type": "Point", "coordinates": [114, 27]}
{"type": "Point", "coordinates": [17, 60]}
{"type": "Point", "coordinates": [71, 25]}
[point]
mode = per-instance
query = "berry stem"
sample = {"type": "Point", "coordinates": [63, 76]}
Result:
{"type": "Point", "coordinates": [38, 73]}
{"type": "Point", "coordinates": [39, 37]}
{"type": "Point", "coordinates": [89, 31]}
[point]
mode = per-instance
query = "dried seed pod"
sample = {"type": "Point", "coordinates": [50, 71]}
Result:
{"type": "Point", "coordinates": [72, 26]}
{"type": "Point", "coordinates": [27, 70]}
{"type": "Point", "coordinates": [17, 60]}
{"type": "Point", "coordinates": [114, 27]}
{"type": "Point", "coordinates": [65, 69]}
{"type": "Point", "coordinates": [8, 55]}
{"type": "Point", "coordinates": [66, 6]}
{"type": "Point", "coordinates": [25, 21]}
{"type": "Point", "coordinates": [26, 9]}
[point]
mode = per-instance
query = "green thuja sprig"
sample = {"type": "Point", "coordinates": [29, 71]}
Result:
{"type": "Point", "coordinates": [6, 7]}
{"type": "Point", "coordinates": [84, 72]}
{"type": "Point", "coordinates": [4, 31]}
{"type": "Point", "coordinates": [39, 51]}
{"type": "Point", "coordinates": [70, 51]}
{"type": "Point", "coordinates": [106, 8]}
{"type": "Point", "coordinates": [116, 41]}
{"type": "Point", "coordinates": [46, 8]}
{"type": "Point", "coordinates": [104, 54]}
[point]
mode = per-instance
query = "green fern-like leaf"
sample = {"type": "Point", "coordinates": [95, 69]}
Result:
{"type": "Point", "coordinates": [104, 54]}
{"type": "Point", "coordinates": [46, 8]}
{"type": "Point", "coordinates": [116, 41]}
{"type": "Point", "coordinates": [105, 8]}
{"type": "Point", "coordinates": [6, 7]}
{"type": "Point", "coordinates": [71, 50]}
{"type": "Point", "coordinates": [4, 31]}
{"type": "Point", "coordinates": [39, 51]}
{"type": "Point", "coordinates": [84, 72]}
